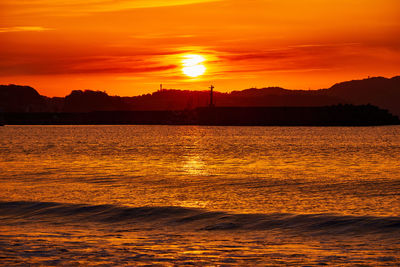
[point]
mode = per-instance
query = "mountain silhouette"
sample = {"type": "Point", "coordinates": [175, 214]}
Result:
{"type": "Point", "coordinates": [378, 91]}
{"type": "Point", "coordinates": [84, 101]}
{"type": "Point", "coordinates": [15, 98]}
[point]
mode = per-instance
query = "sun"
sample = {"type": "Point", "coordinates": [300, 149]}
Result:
{"type": "Point", "coordinates": [192, 65]}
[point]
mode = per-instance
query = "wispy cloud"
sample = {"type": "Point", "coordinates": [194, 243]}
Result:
{"type": "Point", "coordinates": [77, 6]}
{"type": "Point", "coordinates": [152, 36]}
{"type": "Point", "coordinates": [19, 65]}
{"type": "Point", "coordinates": [294, 58]}
{"type": "Point", "coordinates": [24, 29]}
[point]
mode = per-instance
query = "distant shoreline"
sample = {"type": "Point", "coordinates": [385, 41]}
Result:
{"type": "Point", "coordinates": [337, 115]}
{"type": "Point", "coordinates": [378, 91]}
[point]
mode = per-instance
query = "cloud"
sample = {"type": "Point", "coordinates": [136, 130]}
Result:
{"type": "Point", "coordinates": [70, 7]}
{"type": "Point", "coordinates": [294, 58]}
{"type": "Point", "coordinates": [24, 29]}
{"type": "Point", "coordinates": [169, 36]}
{"type": "Point", "coordinates": [257, 55]}
{"type": "Point", "coordinates": [119, 69]}
{"type": "Point", "coordinates": [19, 65]}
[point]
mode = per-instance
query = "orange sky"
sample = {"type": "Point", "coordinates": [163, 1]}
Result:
{"type": "Point", "coordinates": [129, 47]}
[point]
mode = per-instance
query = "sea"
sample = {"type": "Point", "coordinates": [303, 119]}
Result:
{"type": "Point", "coordinates": [138, 195]}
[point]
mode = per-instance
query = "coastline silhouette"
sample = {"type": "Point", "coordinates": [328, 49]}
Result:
{"type": "Point", "coordinates": [370, 101]}
{"type": "Point", "coordinates": [337, 115]}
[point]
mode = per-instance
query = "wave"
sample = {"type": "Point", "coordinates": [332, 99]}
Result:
{"type": "Point", "coordinates": [196, 219]}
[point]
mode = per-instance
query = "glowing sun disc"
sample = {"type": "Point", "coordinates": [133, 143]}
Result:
{"type": "Point", "coordinates": [194, 71]}
{"type": "Point", "coordinates": [192, 66]}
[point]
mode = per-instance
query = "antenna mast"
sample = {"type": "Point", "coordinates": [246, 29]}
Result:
{"type": "Point", "coordinates": [211, 96]}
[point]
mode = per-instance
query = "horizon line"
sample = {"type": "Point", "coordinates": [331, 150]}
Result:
{"type": "Point", "coordinates": [206, 90]}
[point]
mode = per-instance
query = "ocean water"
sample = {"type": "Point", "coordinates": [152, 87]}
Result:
{"type": "Point", "coordinates": [191, 195]}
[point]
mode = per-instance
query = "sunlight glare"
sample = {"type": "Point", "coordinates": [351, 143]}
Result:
{"type": "Point", "coordinates": [192, 65]}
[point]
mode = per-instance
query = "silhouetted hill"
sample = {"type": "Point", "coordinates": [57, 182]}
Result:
{"type": "Point", "coordinates": [169, 100]}
{"type": "Point", "coordinates": [86, 101]}
{"type": "Point", "coordinates": [278, 97]}
{"type": "Point", "coordinates": [15, 98]}
{"type": "Point", "coordinates": [379, 91]}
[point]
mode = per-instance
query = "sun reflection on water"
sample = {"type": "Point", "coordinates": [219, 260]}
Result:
{"type": "Point", "coordinates": [194, 165]}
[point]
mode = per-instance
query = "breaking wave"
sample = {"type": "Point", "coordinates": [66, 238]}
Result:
{"type": "Point", "coordinates": [195, 219]}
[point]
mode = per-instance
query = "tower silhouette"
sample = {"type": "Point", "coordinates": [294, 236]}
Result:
{"type": "Point", "coordinates": [211, 96]}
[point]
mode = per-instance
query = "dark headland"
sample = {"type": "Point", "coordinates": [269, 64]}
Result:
{"type": "Point", "coordinates": [372, 101]}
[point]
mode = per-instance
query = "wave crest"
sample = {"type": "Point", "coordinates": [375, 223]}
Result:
{"type": "Point", "coordinates": [196, 219]}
